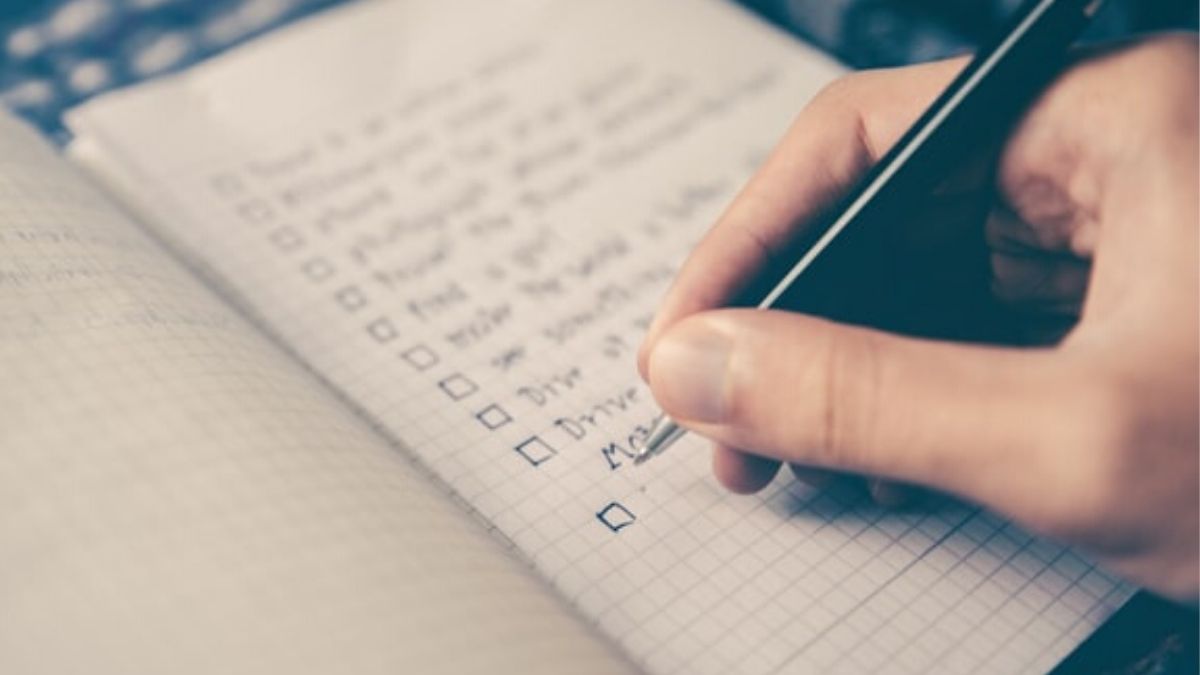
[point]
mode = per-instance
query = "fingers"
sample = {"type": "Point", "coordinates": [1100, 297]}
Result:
{"type": "Point", "coordinates": [1057, 230]}
{"type": "Point", "coordinates": [833, 141]}
{"type": "Point", "coordinates": [804, 390]}
{"type": "Point", "coordinates": [746, 473]}
{"type": "Point", "coordinates": [1106, 133]}
{"type": "Point", "coordinates": [1038, 275]}
{"type": "Point", "coordinates": [1040, 283]}
{"type": "Point", "coordinates": [813, 477]}
{"type": "Point", "coordinates": [741, 472]}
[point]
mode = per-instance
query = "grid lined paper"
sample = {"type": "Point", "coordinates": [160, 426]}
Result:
{"type": "Point", "coordinates": [178, 496]}
{"type": "Point", "coordinates": [467, 242]}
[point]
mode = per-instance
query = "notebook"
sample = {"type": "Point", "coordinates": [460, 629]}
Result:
{"type": "Point", "coordinates": [318, 357]}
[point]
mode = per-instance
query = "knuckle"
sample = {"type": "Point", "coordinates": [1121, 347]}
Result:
{"type": "Point", "coordinates": [841, 101]}
{"type": "Point", "coordinates": [842, 400]}
{"type": "Point", "coordinates": [839, 92]}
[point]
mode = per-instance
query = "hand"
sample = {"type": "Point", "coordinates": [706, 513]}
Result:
{"type": "Point", "coordinates": [1090, 215]}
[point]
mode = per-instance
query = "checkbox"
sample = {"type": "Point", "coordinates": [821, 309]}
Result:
{"type": "Point", "coordinates": [317, 269]}
{"type": "Point", "coordinates": [535, 450]}
{"type": "Point", "coordinates": [458, 386]}
{"type": "Point", "coordinates": [615, 517]}
{"type": "Point", "coordinates": [351, 298]}
{"type": "Point", "coordinates": [286, 239]}
{"type": "Point", "coordinates": [383, 330]}
{"type": "Point", "coordinates": [420, 357]}
{"type": "Point", "coordinates": [493, 417]}
{"type": "Point", "coordinates": [227, 185]}
{"type": "Point", "coordinates": [255, 211]}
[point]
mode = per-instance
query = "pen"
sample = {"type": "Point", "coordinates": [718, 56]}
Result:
{"type": "Point", "coordinates": [981, 103]}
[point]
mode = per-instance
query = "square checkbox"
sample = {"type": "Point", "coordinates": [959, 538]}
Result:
{"type": "Point", "coordinates": [255, 211]}
{"type": "Point", "coordinates": [382, 330]}
{"type": "Point", "coordinates": [317, 269]}
{"type": "Point", "coordinates": [615, 516]}
{"type": "Point", "coordinates": [535, 450]}
{"type": "Point", "coordinates": [286, 238]}
{"type": "Point", "coordinates": [420, 357]}
{"type": "Point", "coordinates": [351, 298]}
{"type": "Point", "coordinates": [458, 386]}
{"type": "Point", "coordinates": [493, 417]}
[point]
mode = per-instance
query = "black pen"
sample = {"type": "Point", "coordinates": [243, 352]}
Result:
{"type": "Point", "coordinates": [978, 106]}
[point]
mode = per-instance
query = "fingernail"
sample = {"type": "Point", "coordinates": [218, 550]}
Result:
{"type": "Point", "coordinates": [643, 360]}
{"type": "Point", "coordinates": [688, 368]}
{"type": "Point", "coordinates": [643, 352]}
{"type": "Point", "coordinates": [645, 347]}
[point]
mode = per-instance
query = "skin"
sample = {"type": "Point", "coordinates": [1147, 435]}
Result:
{"type": "Point", "coordinates": [1084, 426]}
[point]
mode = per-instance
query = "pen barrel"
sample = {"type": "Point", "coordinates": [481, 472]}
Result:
{"type": "Point", "coordinates": [989, 95]}
{"type": "Point", "coordinates": [850, 257]}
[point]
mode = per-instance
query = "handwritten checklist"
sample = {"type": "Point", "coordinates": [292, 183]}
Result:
{"type": "Point", "coordinates": [471, 257]}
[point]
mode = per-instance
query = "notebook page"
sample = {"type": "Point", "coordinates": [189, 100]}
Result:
{"type": "Point", "coordinates": [463, 216]}
{"type": "Point", "coordinates": [176, 496]}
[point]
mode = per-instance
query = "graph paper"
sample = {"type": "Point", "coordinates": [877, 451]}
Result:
{"type": "Point", "coordinates": [467, 244]}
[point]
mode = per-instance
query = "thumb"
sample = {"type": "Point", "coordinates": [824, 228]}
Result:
{"type": "Point", "coordinates": [805, 390]}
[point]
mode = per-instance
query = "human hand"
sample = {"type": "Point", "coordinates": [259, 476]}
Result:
{"type": "Point", "coordinates": [1090, 214]}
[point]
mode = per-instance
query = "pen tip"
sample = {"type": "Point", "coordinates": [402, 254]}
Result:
{"type": "Point", "coordinates": [664, 433]}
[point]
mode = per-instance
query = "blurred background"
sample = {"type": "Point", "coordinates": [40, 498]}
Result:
{"type": "Point", "coordinates": [55, 53]}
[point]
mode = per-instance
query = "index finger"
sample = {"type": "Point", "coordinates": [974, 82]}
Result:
{"type": "Point", "coordinates": [835, 139]}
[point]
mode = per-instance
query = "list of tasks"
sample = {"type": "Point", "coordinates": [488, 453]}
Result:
{"type": "Point", "coordinates": [469, 233]}
{"type": "Point", "coordinates": [471, 257]}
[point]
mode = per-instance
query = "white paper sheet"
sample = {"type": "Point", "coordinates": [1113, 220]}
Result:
{"type": "Point", "coordinates": [463, 215]}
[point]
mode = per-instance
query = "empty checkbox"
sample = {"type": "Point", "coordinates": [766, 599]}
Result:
{"type": "Point", "coordinates": [317, 269]}
{"type": "Point", "coordinates": [286, 239]}
{"type": "Point", "coordinates": [458, 386]}
{"type": "Point", "coordinates": [382, 330]}
{"type": "Point", "coordinates": [351, 298]}
{"type": "Point", "coordinates": [535, 450]}
{"type": "Point", "coordinates": [615, 517]}
{"type": "Point", "coordinates": [420, 357]}
{"type": "Point", "coordinates": [493, 417]}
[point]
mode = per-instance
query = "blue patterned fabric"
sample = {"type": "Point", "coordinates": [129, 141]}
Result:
{"type": "Point", "coordinates": [56, 53]}
{"type": "Point", "coordinates": [875, 33]}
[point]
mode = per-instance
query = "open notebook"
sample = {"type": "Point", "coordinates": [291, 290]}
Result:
{"type": "Point", "coordinates": [346, 382]}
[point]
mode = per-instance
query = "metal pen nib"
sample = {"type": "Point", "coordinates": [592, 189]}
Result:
{"type": "Point", "coordinates": [664, 433]}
